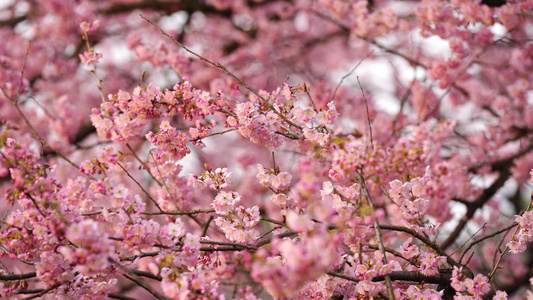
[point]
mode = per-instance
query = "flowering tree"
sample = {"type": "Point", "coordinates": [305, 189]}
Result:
{"type": "Point", "coordinates": [225, 149]}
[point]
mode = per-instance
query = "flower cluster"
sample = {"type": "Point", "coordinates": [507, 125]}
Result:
{"type": "Point", "coordinates": [93, 248]}
{"type": "Point", "coordinates": [141, 235]}
{"type": "Point", "coordinates": [53, 268]}
{"type": "Point", "coordinates": [190, 285]}
{"type": "Point", "coordinates": [106, 159]}
{"type": "Point", "coordinates": [225, 202]}
{"type": "Point", "coordinates": [120, 128]}
{"type": "Point", "coordinates": [237, 224]}
{"type": "Point", "coordinates": [354, 171]}
{"type": "Point", "coordinates": [478, 286]}
{"type": "Point", "coordinates": [273, 179]}
{"type": "Point", "coordinates": [259, 127]}
{"type": "Point", "coordinates": [90, 58]}
{"type": "Point", "coordinates": [87, 27]}
{"type": "Point", "coordinates": [187, 257]}
{"type": "Point", "coordinates": [524, 236]}
{"type": "Point", "coordinates": [173, 144]}
{"type": "Point", "coordinates": [297, 263]}
{"type": "Point", "coordinates": [217, 179]}
{"type": "Point", "coordinates": [200, 131]}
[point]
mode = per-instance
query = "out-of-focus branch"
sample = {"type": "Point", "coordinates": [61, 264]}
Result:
{"type": "Point", "coordinates": [9, 277]}
{"type": "Point", "coordinates": [15, 103]}
{"type": "Point", "coordinates": [167, 7]}
{"type": "Point", "coordinates": [13, 21]}
{"type": "Point", "coordinates": [504, 167]}
{"type": "Point", "coordinates": [117, 296]}
{"type": "Point", "coordinates": [478, 203]}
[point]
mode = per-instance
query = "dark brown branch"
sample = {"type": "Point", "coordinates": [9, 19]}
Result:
{"type": "Point", "coordinates": [147, 275]}
{"type": "Point", "coordinates": [222, 249]}
{"type": "Point", "coordinates": [494, 3]}
{"type": "Point", "coordinates": [414, 276]}
{"type": "Point", "coordinates": [478, 203]}
{"type": "Point", "coordinates": [13, 21]}
{"type": "Point", "coordinates": [288, 233]}
{"type": "Point", "coordinates": [9, 277]}
{"type": "Point", "coordinates": [117, 296]}
{"type": "Point", "coordinates": [30, 291]}
{"type": "Point", "coordinates": [179, 213]}
{"type": "Point", "coordinates": [43, 292]}
{"type": "Point", "coordinates": [168, 7]}
{"type": "Point", "coordinates": [117, 8]}
{"type": "Point", "coordinates": [206, 226]}
{"type": "Point", "coordinates": [504, 167]}
{"type": "Point", "coordinates": [335, 274]}
{"type": "Point", "coordinates": [417, 235]}
{"type": "Point", "coordinates": [139, 281]}
{"type": "Point", "coordinates": [428, 242]}
{"type": "Point", "coordinates": [134, 257]}
{"type": "Point", "coordinates": [393, 252]}
{"type": "Point", "coordinates": [235, 245]}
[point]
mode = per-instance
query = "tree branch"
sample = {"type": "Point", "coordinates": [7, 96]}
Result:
{"type": "Point", "coordinates": [9, 277]}
{"type": "Point", "coordinates": [414, 276]}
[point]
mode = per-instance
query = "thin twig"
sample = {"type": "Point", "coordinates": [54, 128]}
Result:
{"type": "Point", "coordinates": [306, 90]}
{"type": "Point", "coordinates": [339, 275]}
{"type": "Point", "coordinates": [22, 73]}
{"type": "Point", "coordinates": [266, 219]}
{"type": "Point", "coordinates": [36, 205]}
{"type": "Point", "coordinates": [391, 251]}
{"type": "Point", "coordinates": [138, 184]}
{"type": "Point", "coordinates": [94, 71]}
{"type": "Point", "coordinates": [506, 249]}
{"type": "Point", "coordinates": [147, 274]}
{"type": "Point", "coordinates": [218, 65]}
{"type": "Point", "coordinates": [213, 134]}
{"type": "Point", "coordinates": [388, 282]}
{"type": "Point", "coordinates": [367, 113]}
{"type": "Point", "coordinates": [348, 75]}
{"type": "Point", "coordinates": [269, 232]}
{"type": "Point", "coordinates": [43, 292]}
{"type": "Point", "coordinates": [288, 233]}
{"type": "Point", "coordinates": [468, 240]}
{"type": "Point", "coordinates": [143, 164]}
{"type": "Point", "coordinates": [431, 244]}
{"type": "Point", "coordinates": [163, 180]}
{"type": "Point", "coordinates": [135, 257]}
{"type": "Point", "coordinates": [139, 281]}
{"type": "Point", "coordinates": [484, 238]}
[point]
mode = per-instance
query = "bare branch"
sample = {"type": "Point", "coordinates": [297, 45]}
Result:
{"type": "Point", "coordinates": [367, 114]}
{"type": "Point", "coordinates": [349, 73]}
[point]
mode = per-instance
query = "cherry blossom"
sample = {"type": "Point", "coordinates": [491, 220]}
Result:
{"type": "Point", "coordinates": [231, 149]}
